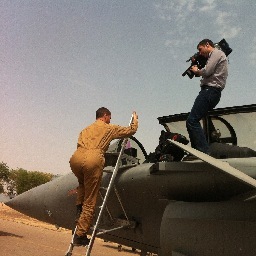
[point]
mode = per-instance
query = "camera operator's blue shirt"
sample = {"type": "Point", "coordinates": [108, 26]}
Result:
{"type": "Point", "coordinates": [215, 71]}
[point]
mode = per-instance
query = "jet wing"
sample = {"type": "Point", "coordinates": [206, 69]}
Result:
{"type": "Point", "coordinates": [223, 166]}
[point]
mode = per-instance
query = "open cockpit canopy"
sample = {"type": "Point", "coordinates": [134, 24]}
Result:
{"type": "Point", "coordinates": [223, 126]}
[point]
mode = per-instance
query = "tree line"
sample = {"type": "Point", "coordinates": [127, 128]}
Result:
{"type": "Point", "coordinates": [14, 182]}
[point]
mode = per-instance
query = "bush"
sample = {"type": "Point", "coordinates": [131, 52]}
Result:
{"type": "Point", "coordinates": [25, 180]}
{"type": "Point", "coordinates": [20, 180]}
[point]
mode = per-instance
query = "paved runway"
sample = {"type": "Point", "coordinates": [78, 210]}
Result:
{"type": "Point", "coordinates": [21, 236]}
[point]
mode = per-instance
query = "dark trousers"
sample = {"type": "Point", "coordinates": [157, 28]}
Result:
{"type": "Point", "coordinates": [206, 100]}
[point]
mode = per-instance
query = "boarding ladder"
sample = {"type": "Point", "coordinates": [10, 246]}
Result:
{"type": "Point", "coordinates": [122, 223]}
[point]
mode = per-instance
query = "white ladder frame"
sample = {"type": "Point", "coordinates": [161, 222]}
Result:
{"type": "Point", "coordinates": [111, 183]}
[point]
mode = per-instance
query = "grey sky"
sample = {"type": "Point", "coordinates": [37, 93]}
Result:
{"type": "Point", "coordinates": [61, 60]}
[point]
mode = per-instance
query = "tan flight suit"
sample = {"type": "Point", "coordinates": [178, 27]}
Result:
{"type": "Point", "coordinates": [87, 164]}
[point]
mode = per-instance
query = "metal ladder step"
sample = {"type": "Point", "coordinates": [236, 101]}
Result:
{"type": "Point", "coordinates": [119, 224]}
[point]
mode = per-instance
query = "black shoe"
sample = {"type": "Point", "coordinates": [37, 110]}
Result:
{"type": "Point", "coordinates": [81, 240]}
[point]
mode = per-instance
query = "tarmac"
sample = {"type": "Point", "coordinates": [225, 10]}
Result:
{"type": "Point", "coordinates": [21, 235]}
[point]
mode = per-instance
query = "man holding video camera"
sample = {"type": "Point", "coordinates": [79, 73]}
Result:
{"type": "Point", "coordinates": [214, 75]}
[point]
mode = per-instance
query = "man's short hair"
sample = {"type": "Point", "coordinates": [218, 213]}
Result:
{"type": "Point", "coordinates": [101, 112]}
{"type": "Point", "coordinates": [206, 41]}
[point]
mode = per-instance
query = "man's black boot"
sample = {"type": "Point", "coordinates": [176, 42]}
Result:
{"type": "Point", "coordinates": [81, 240]}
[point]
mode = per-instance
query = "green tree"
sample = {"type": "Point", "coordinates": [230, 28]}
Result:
{"type": "Point", "coordinates": [4, 175]}
{"type": "Point", "coordinates": [20, 180]}
{"type": "Point", "coordinates": [25, 180]}
{"type": "Point", "coordinates": [4, 171]}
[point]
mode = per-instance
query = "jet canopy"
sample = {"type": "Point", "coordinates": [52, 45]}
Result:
{"type": "Point", "coordinates": [224, 126]}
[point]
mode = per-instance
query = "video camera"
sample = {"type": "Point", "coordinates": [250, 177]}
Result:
{"type": "Point", "coordinates": [200, 61]}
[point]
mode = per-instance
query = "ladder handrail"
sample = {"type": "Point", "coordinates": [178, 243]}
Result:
{"type": "Point", "coordinates": [107, 194]}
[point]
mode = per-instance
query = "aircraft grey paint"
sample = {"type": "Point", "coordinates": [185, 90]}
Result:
{"type": "Point", "coordinates": [221, 165]}
{"type": "Point", "coordinates": [188, 208]}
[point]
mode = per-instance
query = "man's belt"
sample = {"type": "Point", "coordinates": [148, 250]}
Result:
{"type": "Point", "coordinates": [204, 87]}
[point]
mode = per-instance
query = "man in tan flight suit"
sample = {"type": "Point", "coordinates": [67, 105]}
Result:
{"type": "Point", "coordinates": [87, 164]}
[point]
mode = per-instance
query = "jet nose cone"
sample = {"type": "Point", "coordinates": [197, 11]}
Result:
{"type": "Point", "coordinates": [50, 202]}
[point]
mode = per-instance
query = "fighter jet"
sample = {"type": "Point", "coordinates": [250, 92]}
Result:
{"type": "Point", "coordinates": [175, 201]}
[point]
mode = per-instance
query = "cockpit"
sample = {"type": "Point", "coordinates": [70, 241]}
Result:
{"type": "Point", "coordinates": [230, 133]}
